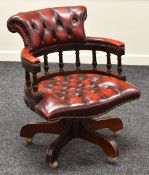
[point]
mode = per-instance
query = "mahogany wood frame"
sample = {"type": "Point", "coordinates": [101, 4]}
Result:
{"type": "Point", "coordinates": [35, 69]}
{"type": "Point", "coordinates": [75, 128]}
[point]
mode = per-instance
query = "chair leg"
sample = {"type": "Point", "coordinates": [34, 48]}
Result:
{"type": "Point", "coordinates": [108, 145]}
{"type": "Point", "coordinates": [57, 144]}
{"type": "Point", "coordinates": [31, 129]}
{"type": "Point", "coordinates": [114, 124]}
{"type": "Point", "coordinates": [69, 129]}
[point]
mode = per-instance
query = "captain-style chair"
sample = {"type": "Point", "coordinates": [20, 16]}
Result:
{"type": "Point", "coordinates": [72, 101]}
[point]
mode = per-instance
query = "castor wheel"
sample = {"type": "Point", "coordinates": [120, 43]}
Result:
{"type": "Point", "coordinates": [117, 133]}
{"type": "Point", "coordinates": [29, 140]}
{"type": "Point", "coordinates": [53, 165]}
{"type": "Point", "coordinates": [112, 160]}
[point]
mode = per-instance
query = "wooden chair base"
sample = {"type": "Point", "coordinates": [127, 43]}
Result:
{"type": "Point", "coordinates": [75, 128]}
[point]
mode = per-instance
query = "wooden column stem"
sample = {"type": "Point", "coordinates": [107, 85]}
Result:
{"type": "Point", "coordinates": [109, 62]}
{"type": "Point", "coordinates": [94, 63]}
{"type": "Point", "coordinates": [77, 60]}
{"type": "Point", "coordinates": [119, 64]}
{"type": "Point", "coordinates": [27, 77]}
{"type": "Point", "coordinates": [35, 87]}
{"type": "Point", "coordinates": [46, 67]}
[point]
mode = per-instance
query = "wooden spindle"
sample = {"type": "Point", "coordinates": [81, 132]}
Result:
{"type": "Point", "coordinates": [94, 63]}
{"type": "Point", "coordinates": [77, 60]}
{"type": "Point", "coordinates": [61, 65]}
{"type": "Point", "coordinates": [35, 87]}
{"type": "Point", "coordinates": [109, 62]}
{"type": "Point", "coordinates": [27, 77]}
{"type": "Point", "coordinates": [119, 64]}
{"type": "Point", "coordinates": [46, 67]}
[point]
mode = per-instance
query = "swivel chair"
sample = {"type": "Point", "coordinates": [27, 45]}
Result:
{"type": "Point", "coordinates": [72, 101]}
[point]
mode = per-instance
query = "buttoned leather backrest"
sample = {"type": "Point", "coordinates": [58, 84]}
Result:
{"type": "Point", "coordinates": [50, 26]}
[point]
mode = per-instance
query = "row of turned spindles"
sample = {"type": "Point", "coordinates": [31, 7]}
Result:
{"type": "Point", "coordinates": [61, 66]}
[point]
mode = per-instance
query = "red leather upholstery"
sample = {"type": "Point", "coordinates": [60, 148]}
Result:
{"type": "Point", "coordinates": [50, 26]}
{"type": "Point", "coordinates": [105, 41]}
{"type": "Point", "coordinates": [83, 95]}
{"type": "Point", "coordinates": [28, 57]}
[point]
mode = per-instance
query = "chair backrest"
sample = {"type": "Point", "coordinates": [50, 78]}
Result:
{"type": "Point", "coordinates": [56, 30]}
{"type": "Point", "coordinates": [50, 26]}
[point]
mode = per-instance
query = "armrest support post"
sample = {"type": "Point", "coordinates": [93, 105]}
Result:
{"type": "Point", "coordinates": [119, 64]}
{"type": "Point", "coordinates": [46, 67]}
{"type": "Point", "coordinates": [35, 87]}
{"type": "Point", "coordinates": [61, 65]}
{"type": "Point", "coordinates": [27, 77]}
{"type": "Point", "coordinates": [109, 62]}
{"type": "Point", "coordinates": [77, 60]}
{"type": "Point", "coordinates": [94, 63]}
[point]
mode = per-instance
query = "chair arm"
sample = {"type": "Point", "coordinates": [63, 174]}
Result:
{"type": "Point", "coordinates": [110, 46]}
{"type": "Point", "coordinates": [105, 41]}
{"type": "Point", "coordinates": [29, 62]}
{"type": "Point", "coordinates": [25, 54]}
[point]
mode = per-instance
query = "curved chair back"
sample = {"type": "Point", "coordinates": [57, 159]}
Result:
{"type": "Point", "coordinates": [50, 26]}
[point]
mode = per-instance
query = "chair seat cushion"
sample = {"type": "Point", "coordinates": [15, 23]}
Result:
{"type": "Point", "coordinates": [82, 95]}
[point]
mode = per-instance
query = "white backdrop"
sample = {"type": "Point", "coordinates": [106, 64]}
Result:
{"type": "Point", "coordinates": [125, 20]}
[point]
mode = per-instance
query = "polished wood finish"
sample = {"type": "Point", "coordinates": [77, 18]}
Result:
{"type": "Point", "coordinates": [94, 63]}
{"type": "Point", "coordinates": [109, 62]}
{"type": "Point", "coordinates": [94, 47]}
{"type": "Point", "coordinates": [31, 129]}
{"type": "Point", "coordinates": [77, 60]}
{"type": "Point", "coordinates": [119, 64]}
{"type": "Point", "coordinates": [77, 47]}
{"type": "Point", "coordinates": [108, 145]}
{"type": "Point", "coordinates": [61, 65]}
{"type": "Point", "coordinates": [46, 67]}
{"type": "Point", "coordinates": [27, 78]}
{"type": "Point", "coordinates": [75, 128]}
{"type": "Point", "coordinates": [114, 124]}
{"type": "Point", "coordinates": [35, 87]}
{"type": "Point", "coordinates": [58, 143]}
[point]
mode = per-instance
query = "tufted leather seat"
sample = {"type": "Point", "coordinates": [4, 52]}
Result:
{"type": "Point", "coordinates": [82, 95]}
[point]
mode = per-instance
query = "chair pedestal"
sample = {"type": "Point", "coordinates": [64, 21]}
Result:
{"type": "Point", "coordinates": [75, 128]}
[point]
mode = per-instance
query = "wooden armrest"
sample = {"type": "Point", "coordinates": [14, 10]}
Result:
{"type": "Point", "coordinates": [105, 41]}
